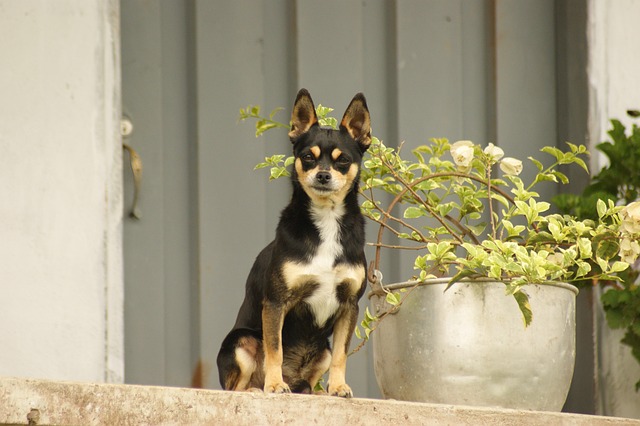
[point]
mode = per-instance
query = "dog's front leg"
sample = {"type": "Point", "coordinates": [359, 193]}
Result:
{"type": "Point", "coordinates": [342, 332]}
{"type": "Point", "coordinates": [272, 321]}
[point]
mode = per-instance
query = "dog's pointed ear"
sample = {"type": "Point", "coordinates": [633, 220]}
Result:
{"type": "Point", "coordinates": [357, 122]}
{"type": "Point", "coordinates": [303, 115]}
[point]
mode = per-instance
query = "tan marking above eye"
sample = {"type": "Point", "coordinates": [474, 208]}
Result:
{"type": "Point", "coordinates": [315, 150]}
{"type": "Point", "coordinates": [336, 153]}
{"type": "Point", "coordinates": [353, 172]}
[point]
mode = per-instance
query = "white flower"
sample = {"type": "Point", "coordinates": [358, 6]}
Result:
{"type": "Point", "coordinates": [629, 250]}
{"type": "Point", "coordinates": [462, 153]}
{"type": "Point", "coordinates": [511, 166]}
{"type": "Point", "coordinates": [556, 259]}
{"type": "Point", "coordinates": [495, 152]}
{"type": "Point", "coordinates": [630, 216]}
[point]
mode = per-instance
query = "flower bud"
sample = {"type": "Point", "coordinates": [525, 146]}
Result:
{"type": "Point", "coordinates": [511, 166]}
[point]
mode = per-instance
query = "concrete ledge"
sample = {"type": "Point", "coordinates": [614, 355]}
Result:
{"type": "Point", "coordinates": [27, 401]}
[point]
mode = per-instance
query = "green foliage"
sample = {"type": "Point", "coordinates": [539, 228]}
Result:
{"type": "Point", "coordinates": [369, 321]}
{"type": "Point", "coordinates": [617, 183]}
{"type": "Point", "coordinates": [263, 124]}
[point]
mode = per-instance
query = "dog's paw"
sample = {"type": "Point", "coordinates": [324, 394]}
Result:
{"type": "Point", "coordinates": [343, 391]}
{"type": "Point", "coordinates": [281, 387]}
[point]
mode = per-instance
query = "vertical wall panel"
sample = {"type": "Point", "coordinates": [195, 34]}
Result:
{"type": "Point", "coordinates": [177, 202]}
{"type": "Point", "coordinates": [144, 240]}
{"type": "Point", "coordinates": [525, 81]}
{"type": "Point", "coordinates": [231, 196]}
{"type": "Point", "coordinates": [159, 268]}
{"type": "Point", "coordinates": [279, 90]}
{"type": "Point", "coordinates": [429, 70]}
{"type": "Point", "coordinates": [477, 72]}
{"type": "Point", "coordinates": [329, 50]}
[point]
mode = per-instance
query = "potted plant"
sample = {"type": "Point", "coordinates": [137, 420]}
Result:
{"type": "Point", "coordinates": [481, 236]}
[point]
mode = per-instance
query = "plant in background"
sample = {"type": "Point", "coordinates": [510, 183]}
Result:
{"type": "Point", "coordinates": [464, 218]}
{"type": "Point", "coordinates": [619, 182]}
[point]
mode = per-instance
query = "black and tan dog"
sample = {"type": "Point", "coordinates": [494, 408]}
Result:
{"type": "Point", "coordinates": [304, 287]}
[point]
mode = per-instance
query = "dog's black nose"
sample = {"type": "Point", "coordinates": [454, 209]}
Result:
{"type": "Point", "coordinates": [323, 177]}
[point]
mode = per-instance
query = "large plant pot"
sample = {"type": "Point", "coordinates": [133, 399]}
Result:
{"type": "Point", "coordinates": [469, 345]}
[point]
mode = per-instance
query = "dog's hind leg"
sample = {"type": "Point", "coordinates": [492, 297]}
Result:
{"type": "Point", "coordinates": [239, 362]}
{"type": "Point", "coordinates": [246, 358]}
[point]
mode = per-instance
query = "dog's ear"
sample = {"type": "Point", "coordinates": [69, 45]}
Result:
{"type": "Point", "coordinates": [303, 115]}
{"type": "Point", "coordinates": [357, 122]}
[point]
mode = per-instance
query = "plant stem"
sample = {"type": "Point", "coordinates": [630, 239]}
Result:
{"type": "Point", "coordinates": [490, 201]}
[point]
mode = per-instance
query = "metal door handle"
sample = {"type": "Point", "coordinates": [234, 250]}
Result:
{"type": "Point", "coordinates": [136, 168]}
{"type": "Point", "coordinates": [126, 128]}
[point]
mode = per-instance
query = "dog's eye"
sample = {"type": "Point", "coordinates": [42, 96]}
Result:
{"type": "Point", "coordinates": [343, 160]}
{"type": "Point", "coordinates": [308, 158]}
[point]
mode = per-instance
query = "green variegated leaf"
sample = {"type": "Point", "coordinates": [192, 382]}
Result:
{"type": "Point", "coordinates": [607, 248]}
{"type": "Point", "coordinates": [278, 172]}
{"type": "Point", "coordinates": [525, 308]}
{"type": "Point", "coordinates": [602, 208]}
{"type": "Point", "coordinates": [583, 269]}
{"type": "Point", "coordinates": [618, 267]}
{"type": "Point", "coordinates": [393, 299]}
{"type": "Point", "coordinates": [457, 277]}
{"type": "Point", "coordinates": [413, 212]}
{"type": "Point", "coordinates": [553, 151]}
{"type": "Point", "coordinates": [536, 163]}
{"type": "Point", "coordinates": [368, 315]}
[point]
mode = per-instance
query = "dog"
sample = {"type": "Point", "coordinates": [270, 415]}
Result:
{"type": "Point", "coordinates": [304, 287]}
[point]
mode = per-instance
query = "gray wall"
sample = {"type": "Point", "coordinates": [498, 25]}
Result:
{"type": "Point", "coordinates": [61, 283]}
{"type": "Point", "coordinates": [485, 71]}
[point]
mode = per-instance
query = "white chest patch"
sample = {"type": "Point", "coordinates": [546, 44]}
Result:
{"type": "Point", "coordinates": [321, 270]}
{"type": "Point", "coordinates": [328, 223]}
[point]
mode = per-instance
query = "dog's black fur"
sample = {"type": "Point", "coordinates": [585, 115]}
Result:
{"type": "Point", "coordinates": [304, 287]}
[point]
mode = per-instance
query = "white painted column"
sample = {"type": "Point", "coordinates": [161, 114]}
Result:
{"type": "Point", "coordinates": [61, 282]}
{"type": "Point", "coordinates": [614, 83]}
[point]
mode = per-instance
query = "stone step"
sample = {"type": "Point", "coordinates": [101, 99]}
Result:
{"type": "Point", "coordinates": [43, 402]}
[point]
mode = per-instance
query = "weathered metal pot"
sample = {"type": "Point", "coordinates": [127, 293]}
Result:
{"type": "Point", "coordinates": [469, 345]}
